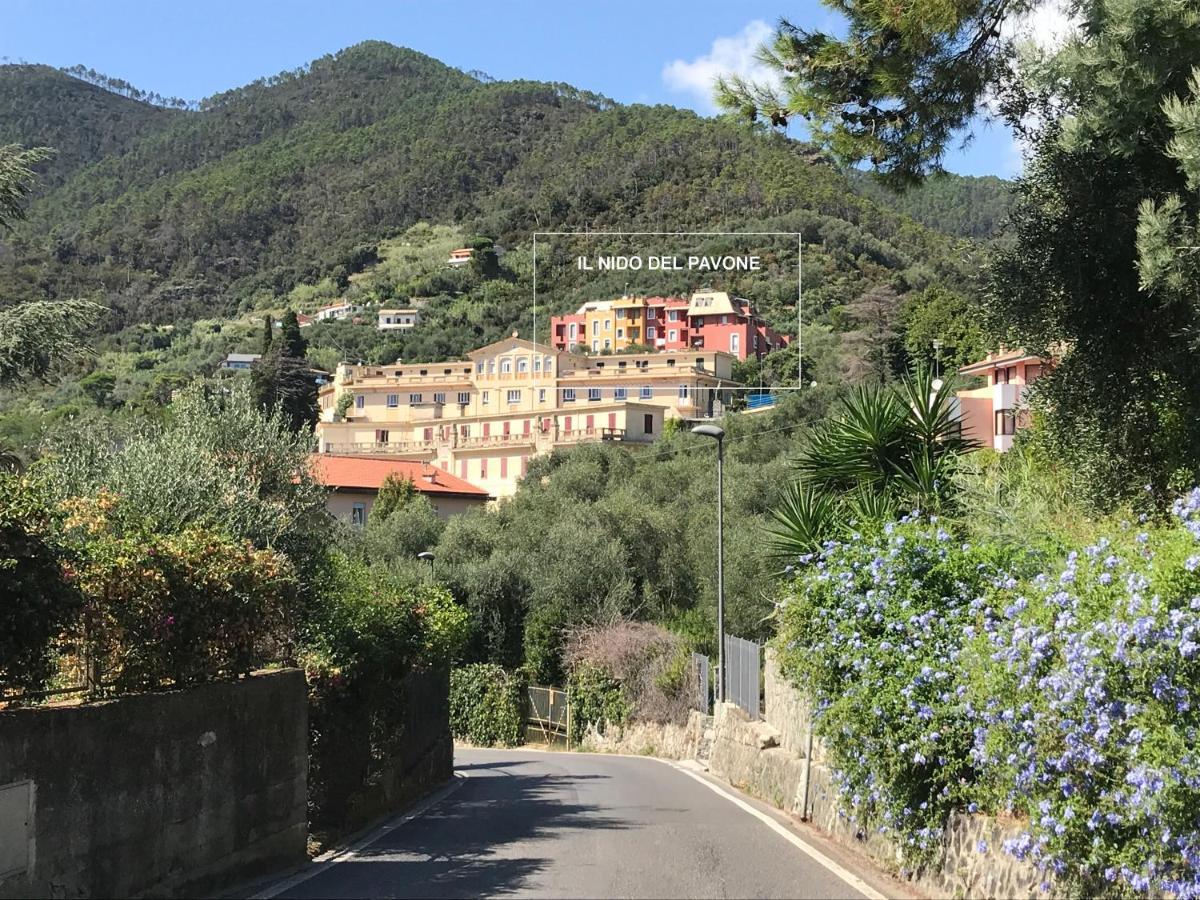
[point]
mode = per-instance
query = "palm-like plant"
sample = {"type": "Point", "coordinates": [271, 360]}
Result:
{"type": "Point", "coordinates": [889, 448]}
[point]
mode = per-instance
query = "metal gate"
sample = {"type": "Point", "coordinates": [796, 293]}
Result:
{"type": "Point", "coordinates": [549, 712]}
{"type": "Point", "coordinates": [742, 674]}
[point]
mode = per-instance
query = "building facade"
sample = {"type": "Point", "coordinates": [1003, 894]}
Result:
{"type": "Point", "coordinates": [482, 419]}
{"type": "Point", "coordinates": [709, 320]}
{"type": "Point", "coordinates": [398, 319]}
{"type": "Point", "coordinates": [354, 483]}
{"type": "Point", "coordinates": [991, 415]}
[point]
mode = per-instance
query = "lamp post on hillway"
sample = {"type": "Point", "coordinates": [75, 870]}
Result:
{"type": "Point", "coordinates": [428, 557]}
{"type": "Point", "coordinates": [718, 434]}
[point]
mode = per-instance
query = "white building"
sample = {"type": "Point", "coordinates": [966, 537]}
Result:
{"type": "Point", "coordinates": [398, 319]}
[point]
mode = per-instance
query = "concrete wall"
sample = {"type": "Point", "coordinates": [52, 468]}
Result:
{"type": "Point", "coordinates": [168, 793]}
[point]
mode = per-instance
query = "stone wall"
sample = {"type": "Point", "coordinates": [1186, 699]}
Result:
{"type": "Point", "coordinates": [155, 794]}
{"type": "Point", "coordinates": [662, 739]}
{"type": "Point", "coordinates": [766, 759]}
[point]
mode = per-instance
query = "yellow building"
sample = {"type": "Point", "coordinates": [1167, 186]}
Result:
{"type": "Point", "coordinates": [483, 418]}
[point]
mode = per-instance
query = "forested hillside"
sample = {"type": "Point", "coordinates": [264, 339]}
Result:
{"type": "Point", "coordinates": [289, 191]}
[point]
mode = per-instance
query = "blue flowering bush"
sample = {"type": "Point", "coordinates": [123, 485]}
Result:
{"type": "Point", "coordinates": [872, 630]}
{"type": "Point", "coordinates": [948, 676]}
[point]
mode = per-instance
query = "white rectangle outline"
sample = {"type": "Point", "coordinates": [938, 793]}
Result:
{"type": "Point", "coordinates": [799, 236]}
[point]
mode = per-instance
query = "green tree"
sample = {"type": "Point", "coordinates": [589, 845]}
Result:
{"type": "Point", "coordinates": [268, 333]}
{"type": "Point", "coordinates": [293, 342]}
{"type": "Point", "coordinates": [937, 314]}
{"type": "Point", "coordinates": [286, 383]}
{"type": "Point", "coordinates": [99, 387]}
{"type": "Point", "coordinates": [395, 492]}
{"type": "Point", "coordinates": [1102, 260]}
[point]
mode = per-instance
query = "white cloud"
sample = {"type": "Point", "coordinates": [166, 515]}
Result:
{"type": "Point", "coordinates": [733, 55]}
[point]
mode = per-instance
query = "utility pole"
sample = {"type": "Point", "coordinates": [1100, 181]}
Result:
{"type": "Point", "coordinates": [718, 434]}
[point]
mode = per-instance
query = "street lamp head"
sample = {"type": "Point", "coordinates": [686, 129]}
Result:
{"type": "Point", "coordinates": [711, 431]}
{"type": "Point", "coordinates": [425, 555]}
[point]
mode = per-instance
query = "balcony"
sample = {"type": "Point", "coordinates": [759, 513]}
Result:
{"type": "Point", "coordinates": [1006, 396]}
{"type": "Point", "coordinates": [495, 440]}
{"type": "Point", "coordinates": [364, 448]}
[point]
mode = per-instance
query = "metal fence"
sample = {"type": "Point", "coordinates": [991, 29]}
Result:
{"type": "Point", "coordinates": [548, 711]}
{"type": "Point", "coordinates": [700, 682]}
{"type": "Point", "coordinates": [742, 665]}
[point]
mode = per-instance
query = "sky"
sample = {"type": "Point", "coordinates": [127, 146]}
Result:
{"type": "Point", "coordinates": [664, 51]}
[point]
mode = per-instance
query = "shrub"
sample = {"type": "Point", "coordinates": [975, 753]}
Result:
{"type": "Point", "coordinates": [649, 663]}
{"type": "Point", "coordinates": [1062, 698]}
{"type": "Point", "coordinates": [872, 631]}
{"type": "Point", "coordinates": [36, 602]}
{"type": "Point", "coordinates": [176, 608]}
{"type": "Point", "coordinates": [486, 706]}
{"type": "Point", "coordinates": [596, 700]}
{"type": "Point", "coordinates": [365, 633]}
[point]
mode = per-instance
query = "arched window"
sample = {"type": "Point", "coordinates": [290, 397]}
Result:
{"type": "Point", "coordinates": [505, 366]}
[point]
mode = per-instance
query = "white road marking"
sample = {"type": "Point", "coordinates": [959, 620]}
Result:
{"type": "Point", "coordinates": [331, 858]}
{"type": "Point", "coordinates": [840, 871]}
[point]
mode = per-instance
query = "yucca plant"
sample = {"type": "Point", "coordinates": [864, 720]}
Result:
{"type": "Point", "coordinates": [889, 448]}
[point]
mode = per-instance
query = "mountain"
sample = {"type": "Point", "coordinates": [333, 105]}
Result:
{"type": "Point", "coordinates": [285, 189]}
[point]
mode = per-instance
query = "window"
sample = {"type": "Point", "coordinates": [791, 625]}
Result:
{"type": "Point", "coordinates": [725, 320]}
{"type": "Point", "coordinates": [479, 367]}
{"type": "Point", "coordinates": [673, 315]}
{"type": "Point", "coordinates": [735, 343]}
{"type": "Point", "coordinates": [462, 468]}
{"type": "Point", "coordinates": [607, 344]}
{"type": "Point", "coordinates": [491, 367]}
{"type": "Point", "coordinates": [595, 345]}
{"type": "Point", "coordinates": [648, 423]}
{"type": "Point", "coordinates": [504, 467]}
{"type": "Point", "coordinates": [465, 430]}
{"type": "Point", "coordinates": [618, 393]}
{"type": "Point", "coordinates": [393, 401]}
{"type": "Point", "coordinates": [381, 436]}
{"type": "Point", "coordinates": [358, 514]}
{"type": "Point", "coordinates": [574, 331]}
{"type": "Point", "coordinates": [360, 401]}
{"type": "Point", "coordinates": [527, 426]}
{"type": "Point", "coordinates": [464, 397]}
{"type": "Point", "coordinates": [620, 332]}
{"type": "Point", "coordinates": [483, 467]}
{"type": "Point", "coordinates": [537, 364]}
{"type": "Point", "coordinates": [683, 392]}
{"type": "Point", "coordinates": [485, 396]}
{"type": "Point", "coordinates": [514, 396]}
{"type": "Point", "coordinates": [1006, 421]}
{"type": "Point", "coordinates": [505, 366]}
{"type": "Point", "coordinates": [568, 395]}
{"type": "Point", "coordinates": [439, 398]}
{"type": "Point", "coordinates": [414, 398]}
{"type": "Point", "coordinates": [546, 365]}
{"type": "Point", "coordinates": [593, 393]}
{"type": "Point", "coordinates": [650, 313]}
{"type": "Point", "coordinates": [672, 335]}
{"type": "Point", "coordinates": [590, 423]}
{"type": "Point", "coordinates": [700, 363]}
{"type": "Point", "coordinates": [487, 429]}
{"type": "Point", "coordinates": [541, 395]}
{"type": "Point", "coordinates": [595, 327]}
{"type": "Point", "coordinates": [523, 364]}
{"type": "Point", "coordinates": [429, 434]}
{"type": "Point", "coordinates": [1033, 371]}
{"type": "Point", "coordinates": [650, 332]}
{"type": "Point", "coordinates": [697, 321]}
{"type": "Point", "coordinates": [608, 324]}
{"type": "Point", "coordinates": [646, 392]}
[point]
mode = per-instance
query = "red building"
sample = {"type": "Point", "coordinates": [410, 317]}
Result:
{"type": "Point", "coordinates": [710, 320]}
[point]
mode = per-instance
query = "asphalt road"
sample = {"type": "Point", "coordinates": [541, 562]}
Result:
{"type": "Point", "coordinates": [531, 824]}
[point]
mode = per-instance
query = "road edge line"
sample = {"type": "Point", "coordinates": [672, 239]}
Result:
{"type": "Point", "coordinates": [836, 868]}
{"type": "Point", "coordinates": [331, 858]}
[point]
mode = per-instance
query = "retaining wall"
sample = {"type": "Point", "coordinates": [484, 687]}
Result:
{"type": "Point", "coordinates": [155, 794]}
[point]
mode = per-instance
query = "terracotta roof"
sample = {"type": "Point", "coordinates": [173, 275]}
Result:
{"type": "Point", "coordinates": [368, 473]}
{"type": "Point", "coordinates": [1003, 357]}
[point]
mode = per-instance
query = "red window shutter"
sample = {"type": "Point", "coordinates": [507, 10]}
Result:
{"type": "Point", "coordinates": [487, 428]}
{"type": "Point", "coordinates": [567, 424]}
{"type": "Point", "coordinates": [527, 426]}
{"type": "Point", "coordinates": [462, 468]}
{"type": "Point", "coordinates": [483, 468]}
{"type": "Point", "coordinates": [524, 466]}
{"type": "Point", "coordinates": [504, 467]}
{"type": "Point", "coordinates": [508, 427]}
{"type": "Point", "coordinates": [612, 420]}
{"type": "Point", "coordinates": [429, 434]}
{"type": "Point", "coordinates": [591, 422]}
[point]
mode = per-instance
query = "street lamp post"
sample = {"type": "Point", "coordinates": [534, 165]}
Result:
{"type": "Point", "coordinates": [428, 557]}
{"type": "Point", "coordinates": [718, 434]}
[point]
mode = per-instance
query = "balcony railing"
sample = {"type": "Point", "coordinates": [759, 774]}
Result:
{"type": "Point", "coordinates": [383, 447]}
{"type": "Point", "coordinates": [494, 440]}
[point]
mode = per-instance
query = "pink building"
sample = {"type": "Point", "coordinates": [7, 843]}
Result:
{"type": "Point", "coordinates": [991, 415]}
{"type": "Point", "coordinates": [710, 320]}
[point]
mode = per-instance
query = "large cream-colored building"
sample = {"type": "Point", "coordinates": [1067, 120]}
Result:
{"type": "Point", "coordinates": [483, 418]}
